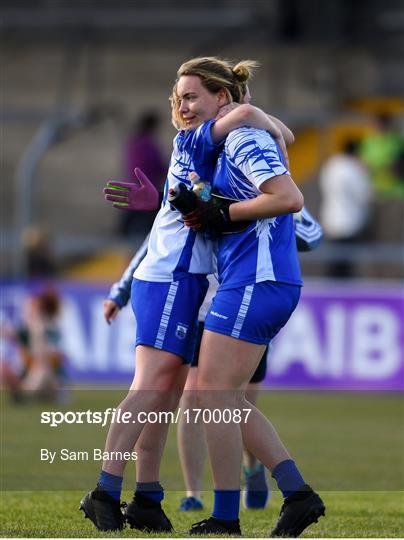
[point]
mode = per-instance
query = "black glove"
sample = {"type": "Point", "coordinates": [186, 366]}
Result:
{"type": "Point", "coordinates": [182, 199]}
{"type": "Point", "coordinates": [213, 217]}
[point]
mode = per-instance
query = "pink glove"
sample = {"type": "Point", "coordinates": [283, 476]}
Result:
{"type": "Point", "coordinates": [132, 195]}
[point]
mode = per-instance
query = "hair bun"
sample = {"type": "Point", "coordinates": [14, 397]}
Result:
{"type": "Point", "coordinates": [243, 71]}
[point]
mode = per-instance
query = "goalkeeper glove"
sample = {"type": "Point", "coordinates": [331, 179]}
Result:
{"type": "Point", "coordinates": [131, 195]}
{"type": "Point", "coordinates": [213, 216]}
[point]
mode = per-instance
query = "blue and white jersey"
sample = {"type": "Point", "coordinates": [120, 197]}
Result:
{"type": "Point", "coordinates": [174, 250]}
{"type": "Point", "coordinates": [308, 231]}
{"type": "Point", "coordinates": [266, 251]}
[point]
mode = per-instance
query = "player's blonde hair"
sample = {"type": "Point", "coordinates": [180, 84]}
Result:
{"type": "Point", "coordinates": [215, 74]}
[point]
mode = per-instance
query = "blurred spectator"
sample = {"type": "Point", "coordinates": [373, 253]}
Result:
{"type": "Point", "coordinates": [383, 152]}
{"type": "Point", "coordinates": [346, 193]}
{"type": "Point", "coordinates": [39, 259]}
{"type": "Point", "coordinates": [38, 340]}
{"type": "Point", "coordinates": [142, 149]}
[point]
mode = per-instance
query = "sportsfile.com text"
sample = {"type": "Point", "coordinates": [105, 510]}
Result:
{"type": "Point", "coordinates": [114, 415]}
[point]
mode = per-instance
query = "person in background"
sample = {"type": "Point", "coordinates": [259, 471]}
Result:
{"type": "Point", "coordinates": [346, 196]}
{"type": "Point", "coordinates": [39, 258]}
{"type": "Point", "coordinates": [142, 150]}
{"type": "Point", "coordinates": [381, 152]}
{"type": "Point", "coordinates": [39, 343]}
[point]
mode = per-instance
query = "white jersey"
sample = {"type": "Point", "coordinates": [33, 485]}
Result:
{"type": "Point", "coordinates": [174, 251]}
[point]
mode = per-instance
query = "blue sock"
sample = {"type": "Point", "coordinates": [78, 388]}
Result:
{"type": "Point", "coordinates": [111, 484]}
{"type": "Point", "coordinates": [151, 490]}
{"type": "Point", "coordinates": [226, 504]}
{"type": "Point", "coordinates": [288, 477]}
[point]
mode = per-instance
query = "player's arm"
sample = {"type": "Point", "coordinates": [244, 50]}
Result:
{"type": "Point", "coordinates": [280, 195]}
{"type": "Point", "coordinates": [234, 116]}
{"type": "Point", "coordinates": [262, 166]}
{"type": "Point", "coordinates": [242, 115]}
{"type": "Point", "coordinates": [110, 309]}
{"type": "Point", "coordinates": [119, 293]}
{"type": "Point", "coordinates": [287, 134]}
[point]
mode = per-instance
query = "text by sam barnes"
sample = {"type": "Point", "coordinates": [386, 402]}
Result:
{"type": "Point", "coordinates": [96, 454]}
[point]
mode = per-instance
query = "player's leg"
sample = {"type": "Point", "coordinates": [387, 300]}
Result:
{"type": "Point", "coordinates": [302, 506]}
{"type": "Point", "coordinates": [220, 384]}
{"type": "Point", "coordinates": [251, 394]}
{"type": "Point", "coordinates": [165, 339]}
{"type": "Point", "coordinates": [191, 444]}
{"type": "Point", "coordinates": [238, 326]}
{"type": "Point", "coordinates": [191, 437]}
{"type": "Point", "coordinates": [151, 443]}
{"type": "Point", "coordinates": [257, 490]}
{"type": "Point", "coordinates": [145, 511]}
{"type": "Point", "coordinates": [166, 314]}
{"type": "Point", "coordinates": [153, 385]}
{"type": "Point", "coordinates": [175, 331]}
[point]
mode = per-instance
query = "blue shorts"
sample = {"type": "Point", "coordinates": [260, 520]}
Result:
{"type": "Point", "coordinates": [253, 313]}
{"type": "Point", "coordinates": [167, 313]}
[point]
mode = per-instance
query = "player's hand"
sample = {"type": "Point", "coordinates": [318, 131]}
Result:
{"type": "Point", "coordinates": [208, 216]}
{"type": "Point", "coordinates": [140, 195]}
{"type": "Point", "coordinates": [111, 310]}
{"type": "Point", "coordinates": [213, 217]}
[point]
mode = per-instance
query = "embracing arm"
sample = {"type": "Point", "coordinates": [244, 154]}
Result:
{"type": "Point", "coordinates": [234, 116]}
{"type": "Point", "coordinates": [243, 115]}
{"type": "Point", "coordinates": [280, 195]}
{"type": "Point", "coordinates": [286, 132]}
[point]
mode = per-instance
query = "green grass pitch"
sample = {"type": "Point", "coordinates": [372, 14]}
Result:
{"type": "Point", "coordinates": [349, 446]}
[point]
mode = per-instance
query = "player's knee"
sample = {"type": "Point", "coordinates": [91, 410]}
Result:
{"type": "Point", "coordinates": [189, 399]}
{"type": "Point", "coordinates": [173, 399]}
{"type": "Point", "coordinates": [162, 381]}
{"type": "Point", "coordinates": [220, 381]}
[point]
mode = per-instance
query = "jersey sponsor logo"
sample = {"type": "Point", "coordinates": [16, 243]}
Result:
{"type": "Point", "coordinates": [181, 331]}
{"type": "Point", "coordinates": [219, 315]}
